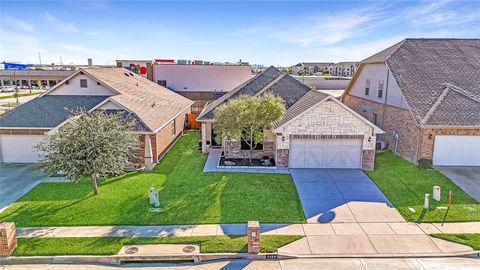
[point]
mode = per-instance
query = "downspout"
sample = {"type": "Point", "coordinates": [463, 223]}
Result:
{"type": "Point", "coordinates": [386, 96]}
{"type": "Point", "coordinates": [148, 157]}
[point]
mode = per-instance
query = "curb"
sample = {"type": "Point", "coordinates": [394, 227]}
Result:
{"type": "Point", "coordinates": [206, 257]}
{"type": "Point", "coordinates": [385, 255]}
{"type": "Point", "coordinates": [122, 259]}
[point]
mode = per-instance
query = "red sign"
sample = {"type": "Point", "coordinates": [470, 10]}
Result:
{"type": "Point", "coordinates": [165, 60]}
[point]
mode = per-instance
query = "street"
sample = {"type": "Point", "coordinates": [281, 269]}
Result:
{"type": "Point", "coordinates": [297, 264]}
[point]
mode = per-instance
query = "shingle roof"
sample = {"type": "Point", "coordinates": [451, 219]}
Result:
{"type": "Point", "coordinates": [304, 103]}
{"type": "Point", "coordinates": [47, 111]}
{"type": "Point", "coordinates": [441, 79]}
{"type": "Point", "coordinates": [153, 104]}
{"type": "Point", "coordinates": [271, 80]}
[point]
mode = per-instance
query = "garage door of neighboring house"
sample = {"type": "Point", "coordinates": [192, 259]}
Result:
{"type": "Point", "coordinates": [325, 153]}
{"type": "Point", "coordinates": [19, 148]}
{"type": "Point", "coordinates": [456, 150]}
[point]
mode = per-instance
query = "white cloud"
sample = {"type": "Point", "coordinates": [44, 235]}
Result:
{"type": "Point", "coordinates": [18, 23]}
{"type": "Point", "coordinates": [65, 27]}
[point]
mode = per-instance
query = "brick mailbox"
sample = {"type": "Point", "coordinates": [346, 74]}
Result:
{"type": "Point", "coordinates": [8, 238]}
{"type": "Point", "coordinates": [253, 236]}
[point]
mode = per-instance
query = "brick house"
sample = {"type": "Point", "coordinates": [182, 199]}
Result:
{"type": "Point", "coordinates": [159, 112]}
{"type": "Point", "coordinates": [317, 130]}
{"type": "Point", "coordinates": [425, 94]}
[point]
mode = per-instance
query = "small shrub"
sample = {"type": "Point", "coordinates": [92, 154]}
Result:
{"type": "Point", "coordinates": [425, 163]}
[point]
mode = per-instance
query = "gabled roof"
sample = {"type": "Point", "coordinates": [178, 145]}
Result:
{"type": "Point", "coordinates": [153, 104]}
{"type": "Point", "coordinates": [439, 79]}
{"type": "Point", "coordinates": [47, 111]}
{"type": "Point", "coordinates": [312, 99]}
{"type": "Point", "coordinates": [303, 104]}
{"type": "Point", "coordinates": [270, 80]}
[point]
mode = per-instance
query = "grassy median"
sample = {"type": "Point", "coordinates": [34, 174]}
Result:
{"type": "Point", "coordinates": [111, 245]}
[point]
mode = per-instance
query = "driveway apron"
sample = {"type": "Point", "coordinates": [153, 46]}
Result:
{"type": "Point", "coordinates": [16, 180]}
{"type": "Point", "coordinates": [342, 195]}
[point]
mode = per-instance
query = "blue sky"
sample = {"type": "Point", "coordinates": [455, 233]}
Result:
{"type": "Point", "coordinates": [270, 33]}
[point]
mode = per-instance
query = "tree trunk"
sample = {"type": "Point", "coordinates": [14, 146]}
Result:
{"type": "Point", "coordinates": [94, 185]}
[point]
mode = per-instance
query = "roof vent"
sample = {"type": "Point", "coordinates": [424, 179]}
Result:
{"type": "Point", "coordinates": [153, 105]}
{"type": "Point", "coordinates": [137, 83]}
{"type": "Point", "coordinates": [126, 74]}
{"type": "Point", "coordinates": [131, 74]}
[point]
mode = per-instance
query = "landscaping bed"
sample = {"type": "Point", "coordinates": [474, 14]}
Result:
{"type": "Point", "coordinates": [405, 186]}
{"type": "Point", "coordinates": [243, 162]}
{"type": "Point", "coordinates": [111, 245]}
{"type": "Point", "coordinates": [187, 196]}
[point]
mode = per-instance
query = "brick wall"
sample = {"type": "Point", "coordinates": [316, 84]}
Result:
{"type": "Point", "coordinates": [390, 119]}
{"type": "Point", "coordinates": [8, 238]}
{"type": "Point", "coordinates": [166, 136]}
{"type": "Point", "coordinates": [428, 138]}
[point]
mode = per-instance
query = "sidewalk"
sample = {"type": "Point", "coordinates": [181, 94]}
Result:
{"type": "Point", "coordinates": [324, 240]}
{"type": "Point", "coordinates": [330, 229]}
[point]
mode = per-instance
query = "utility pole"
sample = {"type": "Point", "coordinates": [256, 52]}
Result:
{"type": "Point", "coordinates": [40, 58]}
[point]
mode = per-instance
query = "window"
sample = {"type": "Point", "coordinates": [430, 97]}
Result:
{"type": "Point", "coordinates": [380, 88]}
{"type": "Point", "coordinates": [375, 118]}
{"type": "Point", "coordinates": [367, 87]}
{"type": "Point", "coordinates": [162, 83]}
{"type": "Point", "coordinates": [244, 145]}
{"type": "Point", "coordinates": [83, 83]}
{"type": "Point", "coordinates": [174, 127]}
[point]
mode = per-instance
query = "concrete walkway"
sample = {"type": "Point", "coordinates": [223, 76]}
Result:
{"type": "Point", "coordinates": [372, 239]}
{"type": "Point", "coordinates": [214, 157]}
{"type": "Point", "coordinates": [331, 229]}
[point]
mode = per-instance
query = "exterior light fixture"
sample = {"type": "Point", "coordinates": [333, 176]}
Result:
{"type": "Point", "coordinates": [283, 138]}
{"type": "Point", "coordinates": [430, 136]}
{"type": "Point", "coordinates": [369, 139]}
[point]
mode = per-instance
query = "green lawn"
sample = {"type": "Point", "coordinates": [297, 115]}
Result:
{"type": "Point", "coordinates": [187, 195]}
{"type": "Point", "coordinates": [405, 186]}
{"type": "Point", "coordinates": [111, 245]}
{"type": "Point", "coordinates": [472, 239]}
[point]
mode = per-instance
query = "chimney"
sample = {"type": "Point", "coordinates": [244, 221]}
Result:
{"type": "Point", "coordinates": [90, 62]}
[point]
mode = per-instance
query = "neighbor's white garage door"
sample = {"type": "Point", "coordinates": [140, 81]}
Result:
{"type": "Point", "coordinates": [19, 148]}
{"type": "Point", "coordinates": [325, 153]}
{"type": "Point", "coordinates": [456, 150]}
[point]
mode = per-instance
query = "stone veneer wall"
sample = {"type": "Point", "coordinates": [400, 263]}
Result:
{"type": "Point", "coordinates": [232, 150]}
{"type": "Point", "coordinates": [327, 120]}
{"type": "Point", "coordinates": [391, 119]}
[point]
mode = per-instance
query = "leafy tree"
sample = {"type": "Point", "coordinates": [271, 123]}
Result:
{"type": "Point", "coordinates": [326, 72]}
{"type": "Point", "coordinates": [247, 117]}
{"type": "Point", "coordinates": [290, 70]}
{"type": "Point", "coordinates": [94, 145]}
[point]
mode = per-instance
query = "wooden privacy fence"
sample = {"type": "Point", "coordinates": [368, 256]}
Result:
{"type": "Point", "coordinates": [192, 124]}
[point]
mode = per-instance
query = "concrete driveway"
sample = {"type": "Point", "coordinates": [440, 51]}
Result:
{"type": "Point", "coordinates": [341, 195]}
{"type": "Point", "coordinates": [467, 178]}
{"type": "Point", "coordinates": [16, 180]}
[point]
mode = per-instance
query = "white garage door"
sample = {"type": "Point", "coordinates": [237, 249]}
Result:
{"type": "Point", "coordinates": [19, 148]}
{"type": "Point", "coordinates": [325, 153]}
{"type": "Point", "coordinates": [456, 150]}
